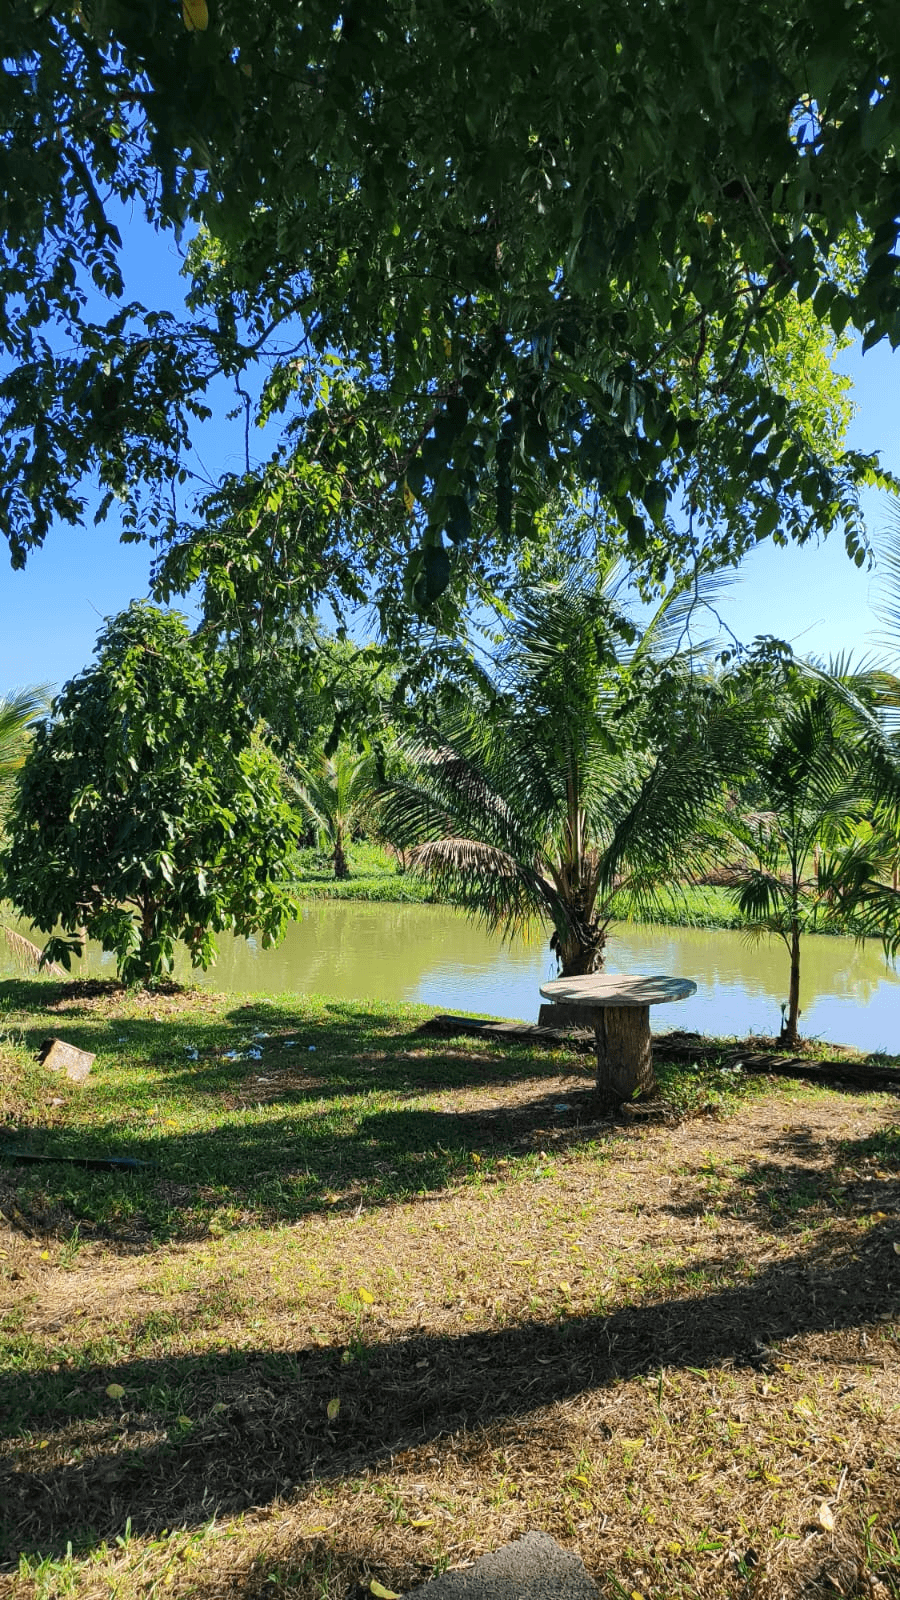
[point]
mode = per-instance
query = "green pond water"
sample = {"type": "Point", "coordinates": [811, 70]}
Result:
{"type": "Point", "coordinates": [434, 954]}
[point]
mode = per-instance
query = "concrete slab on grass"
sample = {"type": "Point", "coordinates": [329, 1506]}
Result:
{"type": "Point", "coordinates": [535, 1567]}
{"type": "Point", "coordinates": [67, 1058]}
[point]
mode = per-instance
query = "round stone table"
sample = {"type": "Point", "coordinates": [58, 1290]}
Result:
{"type": "Point", "coordinates": [618, 1009]}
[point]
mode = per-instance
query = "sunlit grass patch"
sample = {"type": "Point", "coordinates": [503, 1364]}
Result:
{"type": "Point", "coordinates": [375, 875]}
{"type": "Point", "coordinates": [259, 1112]}
{"type": "Point", "coordinates": [711, 1085]}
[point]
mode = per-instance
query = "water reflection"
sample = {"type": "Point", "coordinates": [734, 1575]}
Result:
{"type": "Point", "coordinates": [435, 955]}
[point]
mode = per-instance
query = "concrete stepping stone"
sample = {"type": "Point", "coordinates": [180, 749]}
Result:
{"type": "Point", "coordinates": [67, 1058]}
{"type": "Point", "coordinates": [535, 1567]}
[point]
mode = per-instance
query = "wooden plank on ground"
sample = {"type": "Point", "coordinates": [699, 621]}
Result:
{"type": "Point", "coordinates": [860, 1073]}
{"type": "Point", "coordinates": [519, 1032]}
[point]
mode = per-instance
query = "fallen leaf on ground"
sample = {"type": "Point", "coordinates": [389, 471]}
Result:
{"type": "Point", "coordinates": [196, 15]}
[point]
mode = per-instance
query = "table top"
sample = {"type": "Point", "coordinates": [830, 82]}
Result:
{"type": "Point", "coordinates": [615, 989]}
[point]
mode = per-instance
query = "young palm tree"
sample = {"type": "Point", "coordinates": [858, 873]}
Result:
{"type": "Point", "coordinates": [866, 877]}
{"type": "Point", "coordinates": [580, 786]}
{"type": "Point", "coordinates": [797, 849]}
{"type": "Point", "coordinates": [335, 792]}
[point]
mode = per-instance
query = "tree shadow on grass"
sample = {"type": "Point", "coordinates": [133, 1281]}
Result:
{"type": "Point", "coordinates": [280, 1163]}
{"type": "Point", "coordinates": [259, 1422]}
{"type": "Point", "coordinates": [856, 1178]}
{"type": "Point", "coordinates": [267, 1127]}
{"type": "Point", "coordinates": [162, 1022]}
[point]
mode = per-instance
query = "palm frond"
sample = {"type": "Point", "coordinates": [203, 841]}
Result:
{"type": "Point", "coordinates": [30, 955]}
{"type": "Point", "coordinates": [18, 710]}
{"type": "Point", "coordinates": [887, 607]}
{"type": "Point", "coordinates": [501, 892]}
{"type": "Point", "coordinates": [659, 832]}
{"type": "Point", "coordinates": [763, 897]}
{"type": "Point", "coordinates": [672, 629]}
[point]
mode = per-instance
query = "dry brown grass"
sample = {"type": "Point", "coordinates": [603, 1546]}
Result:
{"type": "Point", "coordinates": [673, 1347]}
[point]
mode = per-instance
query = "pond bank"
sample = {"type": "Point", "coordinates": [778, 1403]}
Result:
{"type": "Point", "coordinates": [820, 1062]}
{"type": "Point", "coordinates": [437, 956]}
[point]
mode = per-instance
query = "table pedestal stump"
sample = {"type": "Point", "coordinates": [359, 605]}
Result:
{"type": "Point", "coordinates": [624, 1052]}
{"type": "Point", "coordinates": [618, 1009]}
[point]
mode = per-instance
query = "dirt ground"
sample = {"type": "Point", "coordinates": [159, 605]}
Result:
{"type": "Point", "coordinates": [675, 1347]}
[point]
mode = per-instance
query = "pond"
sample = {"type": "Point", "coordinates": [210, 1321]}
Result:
{"type": "Point", "coordinates": [434, 954]}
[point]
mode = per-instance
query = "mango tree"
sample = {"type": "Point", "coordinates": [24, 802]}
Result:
{"type": "Point", "coordinates": [146, 811]}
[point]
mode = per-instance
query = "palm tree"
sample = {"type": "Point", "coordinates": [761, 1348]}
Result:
{"type": "Point", "coordinates": [18, 709]}
{"type": "Point", "coordinates": [799, 845]}
{"type": "Point", "coordinates": [866, 878]}
{"type": "Point", "coordinates": [336, 794]}
{"type": "Point", "coordinates": [578, 787]}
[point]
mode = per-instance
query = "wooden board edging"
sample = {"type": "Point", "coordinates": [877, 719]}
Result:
{"type": "Point", "coordinates": [862, 1074]}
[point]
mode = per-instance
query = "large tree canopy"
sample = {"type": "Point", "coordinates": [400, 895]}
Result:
{"type": "Point", "coordinates": [505, 249]}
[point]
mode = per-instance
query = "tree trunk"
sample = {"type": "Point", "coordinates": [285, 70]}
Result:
{"type": "Point", "coordinates": [341, 864]}
{"type": "Point", "coordinates": [624, 1057]}
{"type": "Point", "coordinates": [580, 952]}
{"type": "Point", "coordinates": [582, 964]}
{"type": "Point", "coordinates": [148, 931]}
{"type": "Point", "coordinates": [789, 1033]}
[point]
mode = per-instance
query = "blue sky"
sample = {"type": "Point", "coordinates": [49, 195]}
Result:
{"type": "Point", "coordinates": [813, 597]}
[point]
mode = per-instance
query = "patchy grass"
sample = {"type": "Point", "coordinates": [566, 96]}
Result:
{"type": "Point", "coordinates": [385, 1301]}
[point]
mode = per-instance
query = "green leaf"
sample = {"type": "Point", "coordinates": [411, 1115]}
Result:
{"type": "Point", "coordinates": [437, 571]}
{"type": "Point", "coordinates": [767, 520]}
{"type": "Point", "coordinates": [655, 499]}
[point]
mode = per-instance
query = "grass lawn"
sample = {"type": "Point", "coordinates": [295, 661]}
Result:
{"type": "Point", "coordinates": [701, 905]}
{"type": "Point", "coordinates": [385, 1301]}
